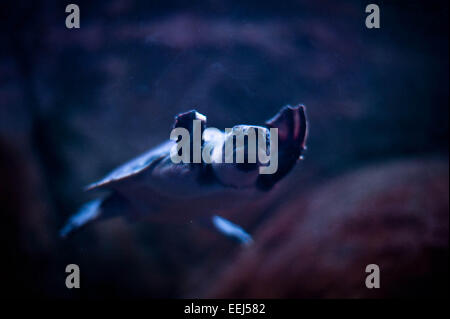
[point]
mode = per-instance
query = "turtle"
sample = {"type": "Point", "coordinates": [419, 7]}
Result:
{"type": "Point", "coordinates": [152, 187]}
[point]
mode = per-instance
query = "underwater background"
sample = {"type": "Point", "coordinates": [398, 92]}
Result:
{"type": "Point", "coordinates": [373, 187]}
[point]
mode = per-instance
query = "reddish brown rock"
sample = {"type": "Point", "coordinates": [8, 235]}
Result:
{"type": "Point", "coordinates": [318, 245]}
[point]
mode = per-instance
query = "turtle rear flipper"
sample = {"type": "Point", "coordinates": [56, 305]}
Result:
{"type": "Point", "coordinates": [98, 209]}
{"type": "Point", "coordinates": [230, 230]}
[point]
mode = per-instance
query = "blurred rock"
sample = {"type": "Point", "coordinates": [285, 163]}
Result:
{"type": "Point", "coordinates": [395, 215]}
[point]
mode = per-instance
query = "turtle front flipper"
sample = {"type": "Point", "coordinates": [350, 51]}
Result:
{"type": "Point", "coordinates": [187, 121]}
{"type": "Point", "coordinates": [292, 126]}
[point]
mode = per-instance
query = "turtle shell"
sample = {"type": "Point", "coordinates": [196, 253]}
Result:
{"type": "Point", "coordinates": [133, 168]}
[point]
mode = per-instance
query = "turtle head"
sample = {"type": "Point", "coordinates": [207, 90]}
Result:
{"type": "Point", "coordinates": [249, 155]}
{"type": "Point", "coordinates": [282, 141]}
{"type": "Point", "coordinates": [237, 161]}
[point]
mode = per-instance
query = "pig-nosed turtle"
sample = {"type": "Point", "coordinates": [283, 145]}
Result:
{"type": "Point", "coordinates": [153, 187]}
